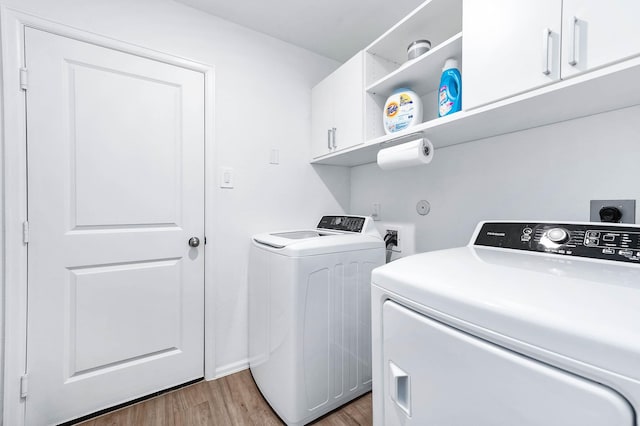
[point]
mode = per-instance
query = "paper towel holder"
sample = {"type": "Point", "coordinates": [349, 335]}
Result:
{"type": "Point", "coordinates": [405, 138]}
{"type": "Point", "coordinates": [426, 150]}
{"type": "Point", "coordinates": [407, 151]}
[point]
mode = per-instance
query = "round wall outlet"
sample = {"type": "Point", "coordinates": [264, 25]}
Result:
{"type": "Point", "coordinates": [423, 207]}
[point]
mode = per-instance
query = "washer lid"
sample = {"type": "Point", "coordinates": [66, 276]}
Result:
{"type": "Point", "coordinates": [583, 309]}
{"type": "Point", "coordinates": [311, 242]}
{"type": "Point", "coordinates": [298, 235]}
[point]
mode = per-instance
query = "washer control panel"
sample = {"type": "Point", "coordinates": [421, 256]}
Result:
{"type": "Point", "coordinates": [342, 223]}
{"type": "Point", "coordinates": [595, 240]}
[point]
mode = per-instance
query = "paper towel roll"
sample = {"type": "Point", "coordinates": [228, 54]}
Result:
{"type": "Point", "coordinates": [413, 153]}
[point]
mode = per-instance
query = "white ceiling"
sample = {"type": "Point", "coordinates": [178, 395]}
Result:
{"type": "Point", "coordinates": [333, 28]}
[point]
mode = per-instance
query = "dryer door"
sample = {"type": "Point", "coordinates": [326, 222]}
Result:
{"type": "Point", "coordinates": [438, 375]}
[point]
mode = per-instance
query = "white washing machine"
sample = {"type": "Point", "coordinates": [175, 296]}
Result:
{"type": "Point", "coordinates": [310, 315]}
{"type": "Point", "coordinates": [530, 324]}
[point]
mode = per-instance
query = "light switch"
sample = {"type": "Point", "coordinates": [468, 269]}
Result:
{"type": "Point", "coordinates": [226, 178]}
{"type": "Point", "coordinates": [375, 211]}
{"type": "Point", "coordinates": [274, 158]}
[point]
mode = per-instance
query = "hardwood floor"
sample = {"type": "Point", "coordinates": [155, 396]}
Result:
{"type": "Point", "coordinates": [231, 400]}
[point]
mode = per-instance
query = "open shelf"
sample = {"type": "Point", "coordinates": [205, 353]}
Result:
{"type": "Point", "coordinates": [434, 20]}
{"type": "Point", "coordinates": [387, 67]}
{"type": "Point", "coordinates": [422, 74]}
{"type": "Point", "coordinates": [591, 93]}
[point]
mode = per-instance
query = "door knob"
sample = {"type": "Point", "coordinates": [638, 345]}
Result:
{"type": "Point", "coordinates": [194, 241]}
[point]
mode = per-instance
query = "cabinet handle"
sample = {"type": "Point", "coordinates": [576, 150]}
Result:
{"type": "Point", "coordinates": [546, 50]}
{"type": "Point", "coordinates": [333, 130]}
{"type": "Point", "coordinates": [573, 59]}
{"type": "Point", "coordinates": [329, 138]}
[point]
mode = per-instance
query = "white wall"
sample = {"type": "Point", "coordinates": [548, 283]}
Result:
{"type": "Point", "coordinates": [547, 173]}
{"type": "Point", "coordinates": [262, 101]}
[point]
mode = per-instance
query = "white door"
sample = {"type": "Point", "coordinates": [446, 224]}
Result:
{"type": "Point", "coordinates": [116, 184]}
{"type": "Point", "coordinates": [509, 47]}
{"type": "Point", "coordinates": [596, 33]}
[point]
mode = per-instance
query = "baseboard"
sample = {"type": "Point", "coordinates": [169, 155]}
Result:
{"type": "Point", "coordinates": [231, 368]}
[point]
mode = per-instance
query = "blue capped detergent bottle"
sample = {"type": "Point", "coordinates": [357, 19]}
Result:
{"type": "Point", "coordinates": [450, 93]}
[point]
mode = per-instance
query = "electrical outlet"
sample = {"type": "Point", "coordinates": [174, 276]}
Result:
{"type": "Point", "coordinates": [618, 211]}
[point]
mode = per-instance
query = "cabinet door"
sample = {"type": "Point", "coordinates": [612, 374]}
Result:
{"type": "Point", "coordinates": [509, 47]}
{"type": "Point", "coordinates": [322, 117]}
{"type": "Point", "coordinates": [596, 33]}
{"type": "Point", "coordinates": [348, 103]}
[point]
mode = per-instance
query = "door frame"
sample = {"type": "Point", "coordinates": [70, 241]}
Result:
{"type": "Point", "coordinates": [13, 187]}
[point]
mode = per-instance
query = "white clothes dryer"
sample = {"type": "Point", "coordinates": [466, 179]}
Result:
{"type": "Point", "coordinates": [530, 324]}
{"type": "Point", "coordinates": [310, 315]}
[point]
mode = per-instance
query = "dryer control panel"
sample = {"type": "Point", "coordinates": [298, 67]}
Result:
{"type": "Point", "coordinates": [592, 240]}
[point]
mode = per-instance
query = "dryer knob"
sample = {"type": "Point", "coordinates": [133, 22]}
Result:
{"type": "Point", "coordinates": [558, 235]}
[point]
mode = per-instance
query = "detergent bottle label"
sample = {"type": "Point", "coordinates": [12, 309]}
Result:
{"type": "Point", "coordinates": [399, 114]}
{"type": "Point", "coordinates": [445, 104]}
{"type": "Point", "coordinates": [392, 109]}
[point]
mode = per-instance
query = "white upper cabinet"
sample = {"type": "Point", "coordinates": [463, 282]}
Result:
{"type": "Point", "coordinates": [348, 109]}
{"type": "Point", "coordinates": [337, 109]}
{"type": "Point", "coordinates": [509, 47]}
{"type": "Point", "coordinates": [322, 117]}
{"type": "Point", "coordinates": [516, 73]}
{"type": "Point", "coordinates": [597, 33]}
